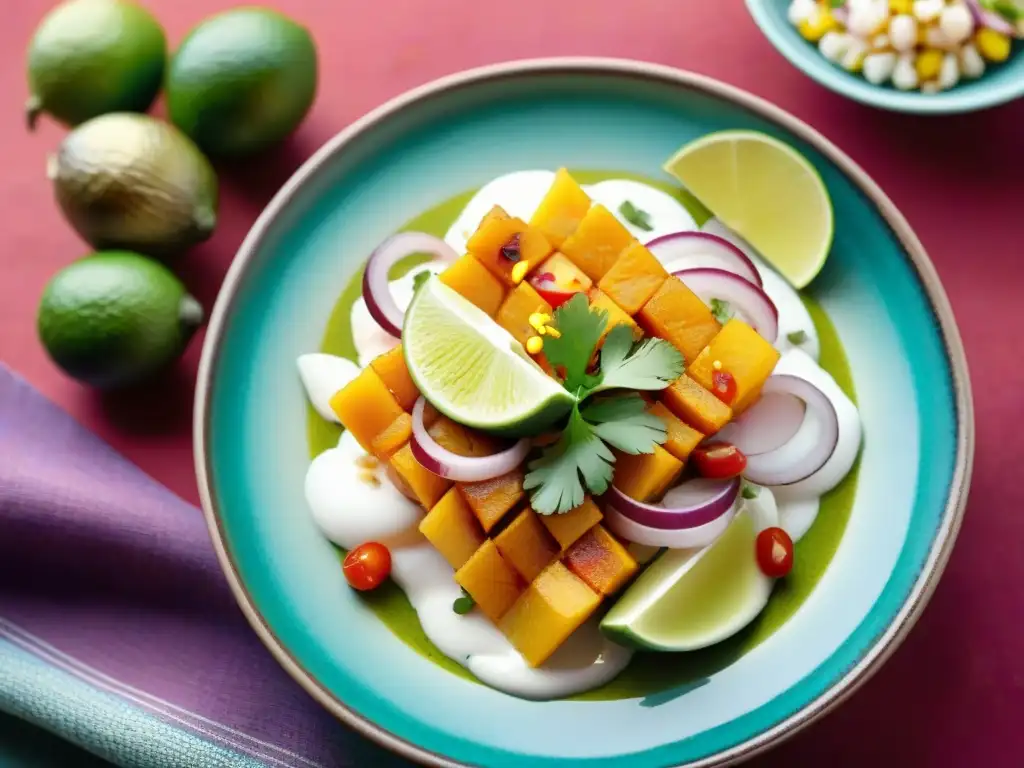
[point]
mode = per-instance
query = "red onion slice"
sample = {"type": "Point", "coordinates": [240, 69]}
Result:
{"type": "Point", "coordinates": [745, 298]}
{"type": "Point", "coordinates": [689, 505]}
{"type": "Point", "coordinates": [683, 538]}
{"type": "Point", "coordinates": [377, 288]}
{"type": "Point", "coordinates": [985, 17]}
{"type": "Point", "coordinates": [768, 424]}
{"type": "Point", "coordinates": [467, 469]}
{"type": "Point", "coordinates": [696, 250]}
{"type": "Point", "coordinates": [810, 446]}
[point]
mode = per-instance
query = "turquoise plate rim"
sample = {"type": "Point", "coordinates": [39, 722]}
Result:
{"type": "Point", "coordinates": [884, 644]}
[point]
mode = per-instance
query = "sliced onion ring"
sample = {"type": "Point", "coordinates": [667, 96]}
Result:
{"type": "Point", "coordinates": [810, 447]}
{"type": "Point", "coordinates": [695, 250]}
{"type": "Point", "coordinates": [985, 17]}
{"type": "Point", "coordinates": [683, 538]}
{"type": "Point", "coordinates": [690, 504]}
{"type": "Point", "coordinates": [467, 469]}
{"type": "Point", "coordinates": [377, 289]}
{"type": "Point", "coordinates": [745, 298]}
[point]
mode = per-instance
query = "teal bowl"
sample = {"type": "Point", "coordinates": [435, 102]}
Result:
{"type": "Point", "coordinates": [1000, 84]}
{"type": "Point", "coordinates": [878, 292]}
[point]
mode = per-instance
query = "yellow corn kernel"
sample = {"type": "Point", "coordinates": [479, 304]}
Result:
{"type": "Point", "coordinates": [901, 6]}
{"type": "Point", "coordinates": [820, 23]}
{"type": "Point", "coordinates": [538, 320]}
{"type": "Point", "coordinates": [534, 345]}
{"type": "Point", "coordinates": [928, 64]}
{"type": "Point", "coordinates": [993, 45]}
{"type": "Point", "coordinates": [519, 271]}
{"type": "Point", "coordinates": [553, 332]}
{"type": "Point", "coordinates": [717, 365]}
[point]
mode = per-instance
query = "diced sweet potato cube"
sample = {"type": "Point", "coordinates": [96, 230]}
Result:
{"type": "Point", "coordinates": [565, 273]}
{"type": "Point", "coordinates": [453, 529]}
{"type": "Point", "coordinates": [615, 314]}
{"type": "Point", "coordinates": [696, 406]}
{"type": "Point", "coordinates": [646, 476]}
{"type": "Point", "coordinates": [744, 353]}
{"type": "Point", "coordinates": [554, 605]}
{"type": "Point", "coordinates": [562, 208]}
{"type": "Point", "coordinates": [633, 278]}
{"type": "Point", "coordinates": [491, 499]}
{"type": "Point", "coordinates": [392, 438]}
{"type": "Point", "coordinates": [427, 487]}
{"type": "Point", "coordinates": [474, 281]}
{"type": "Point", "coordinates": [493, 584]}
{"type": "Point", "coordinates": [527, 545]}
{"type": "Point", "coordinates": [366, 407]}
{"type": "Point", "coordinates": [597, 242]}
{"type": "Point", "coordinates": [515, 311]}
{"type": "Point", "coordinates": [394, 373]}
{"type": "Point", "coordinates": [568, 527]}
{"type": "Point", "coordinates": [680, 438]}
{"type": "Point", "coordinates": [456, 438]}
{"type": "Point", "coordinates": [599, 559]}
{"type": "Point", "coordinates": [678, 315]}
{"type": "Point", "coordinates": [499, 243]}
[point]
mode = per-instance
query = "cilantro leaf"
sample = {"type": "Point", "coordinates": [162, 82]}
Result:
{"type": "Point", "coordinates": [419, 279]}
{"type": "Point", "coordinates": [750, 491]}
{"type": "Point", "coordinates": [797, 337]}
{"type": "Point", "coordinates": [579, 457]}
{"type": "Point", "coordinates": [624, 423]}
{"type": "Point", "coordinates": [838, 3]}
{"type": "Point", "coordinates": [638, 217]}
{"type": "Point", "coordinates": [721, 310]}
{"type": "Point", "coordinates": [580, 328]}
{"type": "Point", "coordinates": [651, 364]}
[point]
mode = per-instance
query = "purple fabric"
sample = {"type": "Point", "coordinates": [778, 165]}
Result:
{"type": "Point", "coordinates": [113, 570]}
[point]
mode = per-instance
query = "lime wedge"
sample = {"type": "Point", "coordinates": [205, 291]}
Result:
{"type": "Point", "coordinates": [692, 598]}
{"type": "Point", "coordinates": [473, 370]}
{"type": "Point", "coordinates": [766, 192]}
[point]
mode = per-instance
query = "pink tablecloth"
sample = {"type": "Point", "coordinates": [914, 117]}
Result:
{"type": "Point", "coordinates": [954, 693]}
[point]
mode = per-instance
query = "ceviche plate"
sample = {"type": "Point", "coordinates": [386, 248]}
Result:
{"type": "Point", "coordinates": [875, 318]}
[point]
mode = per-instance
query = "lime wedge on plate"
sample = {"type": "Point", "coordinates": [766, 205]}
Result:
{"type": "Point", "coordinates": [692, 598]}
{"type": "Point", "coordinates": [766, 192]}
{"type": "Point", "coordinates": [473, 370]}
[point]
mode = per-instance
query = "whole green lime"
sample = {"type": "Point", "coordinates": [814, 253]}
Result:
{"type": "Point", "coordinates": [242, 81]}
{"type": "Point", "coordinates": [89, 57]}
{"type": "Point", "coordinates": [115, 317]}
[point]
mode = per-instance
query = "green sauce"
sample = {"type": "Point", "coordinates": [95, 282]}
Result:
{"type": "Point", "coordinates": [651, 675]}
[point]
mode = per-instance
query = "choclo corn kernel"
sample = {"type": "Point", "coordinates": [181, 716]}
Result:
{"type": "Point", "coordinates": [534, 345]}
{"type": "Point", "coordinates": [928, 64]}
{"type": "Point", "coordinates": [993, 45]}
{"type": "Point", "coordinates": [519, 271]}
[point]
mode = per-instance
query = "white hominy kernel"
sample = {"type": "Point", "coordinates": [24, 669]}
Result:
{"type": "Point", "coordinates": [956, 23]}
{"type": "Point", "coordinates": [930, 87]}
{"type": "Point", "coordinates": [903, 32]}
{"type": "Point", "coordinates": [854, 55]}
{"type": "Point", "coordinates": [834, 45]}
{"type": "Point", "coordinates": [801, 10]}
{"type": "Point", "coordinates": [971, 63]}
{"type": "Point", "coordinates": [949, 75]}
{"type": "Point", "coordinates": [928, 10]}
{"type": "Point", "coordinates": [878, 67]}
{"type": "Point", "coordinates": [936, 38]}
{"type": "Point", "coordinates": [867, 17]}
{"type": "Point", "coordinates": [904, 74]}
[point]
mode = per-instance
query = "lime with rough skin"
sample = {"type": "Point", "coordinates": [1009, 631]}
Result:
{"type": "Point", "coordinates": [115, 318]}
{"type": "Point", "coordinates": [242, 81]}
{"type": "Point", "coordinates": [129, 181]}
{"type": "Point", "coordinates": [90, 57]}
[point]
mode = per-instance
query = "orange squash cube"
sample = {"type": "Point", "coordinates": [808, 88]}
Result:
{"type": "Point", "coordinates": [474, 281]}
{"type": "Point", "coordinates": [366, 407]}
{"type": "Point", "coordinates": [562, 208]}
{"type": "Point", "coordinates": [527, 545]}
{"type": "Point", "coordinates": [427, 487]}
{"type": "Point", "coordinates": [597, 242]}
{"type": "Point", "coordinates": [568, 527]}
{"type": "Point", "coordinates": [565, 273]}
{"type": "Point", "coordinates": [491, 499]}
{"type": "Point", "coordinates": [599, 559]}
{"type": "Point", "coordinates": [515, 311]}
{"type": "Point", "coordinates": [696, 406]}
{"type": "Point", "coordinates": [394, 373]}
{"type": "Point", "coordinates": [646, 476]}
{"type": "Point", "coordinates": [680, 438]}
{"type": "Point", "coordinates": [555, 604]}
{"type": "Point", "coordinates": [615, 315]}
{"type": "Point", "coordinates": [493, 584]}
{"type": "Point", "coordinates": [497, 236]}
{"type": "Point", "coordinates": [456, 438]}
{"type": "Point", "coordinates": [633, 278]}
{"type": "Point", "coordinates": [452, 528]}
{"type": "Point", "coordinates": [744, 353]}
{"type": "Point", "coordinates": [392, 438]}
{"type": "Point", "coordinates": [677, 314]}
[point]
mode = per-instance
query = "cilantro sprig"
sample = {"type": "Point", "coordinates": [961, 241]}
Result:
{"type": "Point", "coordinates": [638, 217]}
{"type": "Point", "coordinates": [603, 416]}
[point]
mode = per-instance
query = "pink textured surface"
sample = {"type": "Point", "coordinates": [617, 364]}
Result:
{"type": "Point", "coordinates": [954, 693]}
